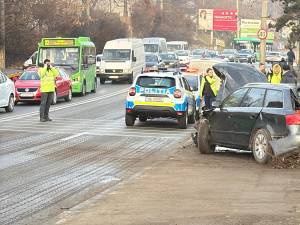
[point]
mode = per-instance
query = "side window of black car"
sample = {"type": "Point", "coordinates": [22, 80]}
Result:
{"type": "Point", "coordinates": [254, 98]}
{"type": "Point", "coordinates": [274, 99]}
{"type": "Point", "coordinates": [234, 100]}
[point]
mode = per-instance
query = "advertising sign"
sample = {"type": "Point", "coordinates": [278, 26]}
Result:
{"type": "Point", "coordinates": [205, 19]}
{"type": "Point", "coordinates": [250, 28]}
{"type": "Point", "coordinates": [224, 19]}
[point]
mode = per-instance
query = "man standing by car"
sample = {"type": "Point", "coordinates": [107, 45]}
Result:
{"type": "Point", "coordinates": [288, 76]}
{"type": "Point", "coordinates": [291, 58]}
{"type": "Point", "coordinates": [48, 76]}
{"type": "Point", "coordinates": [262, 68]}
{"type": "Point", "coordinates": [208, 88]}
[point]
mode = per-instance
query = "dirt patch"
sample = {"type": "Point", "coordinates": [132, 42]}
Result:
{"type": "Point", "coordinates": [287, 162]}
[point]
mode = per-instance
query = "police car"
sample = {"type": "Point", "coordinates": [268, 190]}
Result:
{"type": "Point", "coordinates": [160, 94]}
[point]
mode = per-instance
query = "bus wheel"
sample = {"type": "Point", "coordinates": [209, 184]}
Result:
{"type": "Point", "coordinates": [83, 91]}
{"type": "Point", "coordinates": [95, 87]}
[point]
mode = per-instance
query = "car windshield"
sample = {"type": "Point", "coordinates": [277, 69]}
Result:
{"type": "Point", "coordinates": [167, 56]}
{"type": "Point", "coordinates": [30, 75]}
{"type": "Point", "coordinates": [247, 51]}
{"type": "Point", "coordinates": [116, 54]}
{"type": "Point", "coordinates": [151, 47]}
{"type": "Point", "coordinates": [182, 53]}
{"type": "Point", "coordinates": [174, 47]}
{"type": "Point", "coordinates": [156, 82]}
{"type": "Point", "coordinates": [193, 81]}
{"type": "Point", "coordinates": [274, 53]}
{"type": "Point", "coordinates": [60, 56]}
{"type": "Point", "coordinates": [198, 52]}
{"type": "Point", "coordinates": [228, 51]}
{"type": "Point", "coordinates": [151, 58]}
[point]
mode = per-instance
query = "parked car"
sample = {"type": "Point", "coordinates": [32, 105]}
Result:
{"type": "Point", "coordinates": [7, 93]}
{"type": "Point", "coordinates": [245, 55]}
{"type": "Point", "coordinates": [229, 54]}
{"type": "Point", "coordinates": [250, 118]}
{"type": "Point", "coordinates": [199, 53]}
{"type": "Point", "coordinates": [28, 86]}
{"type": "Point", "coordinates": [274, 57]}
{"type": "Point", "coordinates": [153, 63]}
{"type": "Point", "coordinates": [183, 56]}
{"type": "Point", "coordinates": [170, 60]}
{"type": "Point", "coordinates": [160, 94]}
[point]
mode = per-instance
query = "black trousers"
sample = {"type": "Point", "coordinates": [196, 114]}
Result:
{"type": "Point", "coordinates": [46, 101]}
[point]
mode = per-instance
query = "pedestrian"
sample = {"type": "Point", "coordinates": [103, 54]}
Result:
{"type": "Point", "coordinates": [275, 76]}
{"type": "Point", "coordinates": [288, 77]}
{"type": "Point", "coordinates": [291, 58]}
{"type": "Point", "coordinates": [48, 75]}
{"type": "Point", "coordinates": [262, 68]}
{"type": "Point", "coordinates": [208, 88]}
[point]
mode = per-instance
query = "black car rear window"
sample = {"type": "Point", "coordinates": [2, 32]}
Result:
{"type": "Point", "coordinates": [159, 82]}
{"type": "Point", "coordinates": [274, 99]}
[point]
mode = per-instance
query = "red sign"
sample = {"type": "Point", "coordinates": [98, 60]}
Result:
{"type": "Point", "coordinates": [224, 19]}
{"type": "Point", "coordinates": [262, 34]}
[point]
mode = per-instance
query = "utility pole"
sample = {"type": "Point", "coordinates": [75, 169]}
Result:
{"type": "Point", "coordinates": [125, 9]}
{"type": "Point", "coordinates": [264, 16]}
{"type": "Point", "coordinates": [2, 34]}
{"type": "Point", "coordinates": [238, 18]}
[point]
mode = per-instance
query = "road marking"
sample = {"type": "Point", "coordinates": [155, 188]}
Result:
{"type": "Point", "coordinates": [56, 108]}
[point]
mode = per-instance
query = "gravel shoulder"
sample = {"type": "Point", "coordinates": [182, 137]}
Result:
{"type": "Point", "coordinates": [189, 188]}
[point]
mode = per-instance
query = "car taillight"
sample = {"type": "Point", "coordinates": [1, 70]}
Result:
{"type": "Point", "coordinates": [293, 119]}
{"type": "Point", "coordinates": [177, 93]}
{"type": "Point", "coordinates": [132, 91]}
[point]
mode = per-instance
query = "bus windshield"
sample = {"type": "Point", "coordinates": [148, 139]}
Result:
{"type": "Point", "coordinates": [151, 47]}
{"type": "Point", "coordinates": [60, 56]}
{"type": "Point", "coordinates": [174, 47]}
{"type": "Point", "coordinates": [116, 54]}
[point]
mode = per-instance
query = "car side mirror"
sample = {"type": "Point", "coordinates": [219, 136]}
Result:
{"type": "Point", "coordinates": [134, 59]}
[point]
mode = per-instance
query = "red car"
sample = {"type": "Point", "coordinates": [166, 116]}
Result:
{"type": "Point", "coordinates": [28, 86]}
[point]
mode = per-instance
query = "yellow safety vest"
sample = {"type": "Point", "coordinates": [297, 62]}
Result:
{"type": "Point", "coordinates": [47, 78]}
{"type": "Point", "coordinates": [213, 85]}
{"type": "Point", "coordinates": [274, 78]}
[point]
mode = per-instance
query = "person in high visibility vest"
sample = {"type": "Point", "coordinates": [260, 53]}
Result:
{"type": "Point", "coordinates": [208, 88]}
{"type": "Point", "coordinates": [48, 75]}
{"type": "Point", "coordinates": [276, 75]}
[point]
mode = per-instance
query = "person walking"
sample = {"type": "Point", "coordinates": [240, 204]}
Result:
{"type": "Point", "coordinates": [291, 58]}
{"type": "Point", "coordinates": [208, 88]}
{"type": "Point", "coordinates": [48, 76]}
{"type": "Point", "coordinates": [288, 77]}
{"type": "Point", "coordinates": [275, 76]}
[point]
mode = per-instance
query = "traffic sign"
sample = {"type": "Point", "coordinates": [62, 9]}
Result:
{"type": "Point", "coordinates": [262, 34]}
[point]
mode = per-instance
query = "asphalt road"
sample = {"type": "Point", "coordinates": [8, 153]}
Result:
{"type": "Point", "coordinates": [47, 168]}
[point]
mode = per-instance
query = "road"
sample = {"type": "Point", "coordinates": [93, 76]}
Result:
{"type": "Point", "coordinates": [46, 168]}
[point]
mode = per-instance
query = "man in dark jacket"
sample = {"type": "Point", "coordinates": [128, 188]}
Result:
{"type": "Point", "coordinates": [291, 58]}
{"type": "Point", "coordinates": [288, 76]}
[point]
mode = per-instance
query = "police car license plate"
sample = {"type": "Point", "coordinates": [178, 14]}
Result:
{"type": "Point", "coordinates": [154, 99]}
{"type": "Point", "coordinates": [27, 94]}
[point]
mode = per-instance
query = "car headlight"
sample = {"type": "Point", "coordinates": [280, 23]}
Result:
{"type": "Point", "coordinates": [102, 70]}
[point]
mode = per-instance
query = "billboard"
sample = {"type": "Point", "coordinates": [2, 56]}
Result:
{"type": "Point", "coordinates": [205, 19]}
{"type": "Point", "coordinates": [250, 27]}
{"type": "Point", "coordinates": [225, 20]}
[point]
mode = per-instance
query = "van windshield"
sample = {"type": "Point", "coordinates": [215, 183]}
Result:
{"type": "Point", "coordinates": [116, 54]}
{"type": "Point", "coordinates": [151, 47]}
{"type": "Point", "coordinates": [174, 47]}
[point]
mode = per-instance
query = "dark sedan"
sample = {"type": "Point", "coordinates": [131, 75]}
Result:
{"type": "Point", "coordinates": [249, 119]}
{"type": "Point", "coordinates": [245, 55]}
{"type": "Point", "coordinates": [153, 63]}
{"type": "Point", "coordinates": [170, 60]}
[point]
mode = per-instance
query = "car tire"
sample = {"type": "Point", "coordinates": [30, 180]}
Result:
{"type": "Point", "coordinates": [83, 91]}
{"type": "Point", "coordinates": [102, 80]}
{"type": "Point", "coordinates": [68, 98]}
{"type": "Point", "coordinates": [95, 86]}
{"type": "Point", "coordinates": [197, 115]}
{"type": "Point", "coordinates": [261, 149]}
{"type": "Point", "coordinates": [11, 104]}
{"type": "Point", "coordinates": [130, 79]}
{"type": "Point", "coordinates": [129, 119]}
{"type": "Point", "coordinates": [183, 120]}
{"type": "Point", "coordinates": [54, 101]}
{"type": "Point", "coordinates": [191, 118]}
{"type": "Point", "coordinates": [203, 138]}
{"type": "Point", "coordinates": [143, 119]}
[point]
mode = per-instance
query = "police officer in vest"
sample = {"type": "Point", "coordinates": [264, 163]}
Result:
{"type": "Point", "coordinates": [48, 76]}
{"type": "Point", "coordinates": [208, 88]}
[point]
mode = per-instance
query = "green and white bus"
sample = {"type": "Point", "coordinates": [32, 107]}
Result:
{"type": "Point", "coordinates": [76, 55]}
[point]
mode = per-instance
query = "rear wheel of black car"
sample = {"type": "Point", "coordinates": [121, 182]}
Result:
{"type": "Point", "coordinates": [191, 118]}
{"type": "Point", "coordinates": [102, 80]}
{"type": "Point", "coordinates": [183, 120]}
{"type": "Point", "coordinates": [204, 142]}
{"type": "Point", "coordinates": [142, 118]}
{"type": "Point", "coordinates": [260, 146]}
{"type": "Point", "coordinates": [129, 119]}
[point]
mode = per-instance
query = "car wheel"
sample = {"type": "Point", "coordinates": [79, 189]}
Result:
{"type": "Point", "coordinates": [69, 97]}
{"type": "Point", "coordinates": [204, 142]}
{"type": "Point", "coordinates": [54, 101]}
{"type": "Point", "coordinates": [183, 120]}
{"type": "Point", "coordinates": [191, 118]}
{"type": "Point", "coordinates": [130, 79]}
{"type": "Point", "coordinates": [142, 118]}
{"type": "Point", "coordinates": [95, 87]}
{"type": "Point", "coordinates": [102, 80]}
{"type": "Point", "coordinates": [11, 104]}
{"type": "Point", "coordinates": [197, 115]}
{"type": "Point", "coordinates": [260, 146]}
{"type": "Point", "coordinates": [83, 91]}
{"type": "Point", "coordinates": [129, 119]}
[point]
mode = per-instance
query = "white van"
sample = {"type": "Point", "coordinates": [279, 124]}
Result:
{"type": "Point", "coordinates": [98, 63]}
{"type": "Point", "coordinates": [177, 45]}
{"type": "Point", "coordinates": [155, 45]}
{"type": "Point", "coordinates": [122, 59]}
